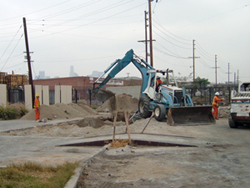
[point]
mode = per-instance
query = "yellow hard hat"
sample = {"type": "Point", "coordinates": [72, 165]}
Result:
{"type": "Point", "coordinates": [37, 95]}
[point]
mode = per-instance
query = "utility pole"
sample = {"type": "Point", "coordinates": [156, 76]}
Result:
{"type": "Point", "coordinates": [194, 62]}
{"type": "Point", "coordinates": [146, 35]}
{"type": "Point", "coordinates": [216, 70]}
{"type": "Point", "coordinates": [150, 33]}
{"type": "Point", "coordinates": [228, 79]}
{"type": "Point", "coordinates": [238, 76]}
{"type": "Point", "coordinates": [28, 60]}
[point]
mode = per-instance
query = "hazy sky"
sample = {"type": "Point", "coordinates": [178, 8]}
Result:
{"type": "Point", "coordinates": [91, 34]}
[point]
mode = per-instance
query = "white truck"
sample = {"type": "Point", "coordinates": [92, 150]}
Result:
{"type": "Point", "coordinates": [240, 106]}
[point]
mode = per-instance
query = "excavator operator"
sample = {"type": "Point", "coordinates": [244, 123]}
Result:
{"type": "Point", "coordinates": [158, 83]}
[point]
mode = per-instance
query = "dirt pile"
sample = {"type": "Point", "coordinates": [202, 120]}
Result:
{"type": "Point", "coordinates": [120, 103]}
{"type": "Point", "coordinates": [62, 111]}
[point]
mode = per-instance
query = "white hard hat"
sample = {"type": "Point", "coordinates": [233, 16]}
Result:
{"type": "Point", "coordinates": [217, 93]}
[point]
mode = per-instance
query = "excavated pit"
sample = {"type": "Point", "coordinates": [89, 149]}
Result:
{"type": "Point", "coordinates": [134, 143]}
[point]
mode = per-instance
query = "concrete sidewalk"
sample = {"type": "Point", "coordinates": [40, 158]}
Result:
{"type": "Point", "coordinates": [9, 125]}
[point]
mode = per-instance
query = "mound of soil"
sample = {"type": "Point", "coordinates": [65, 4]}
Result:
{"type": "Point", "coordinates": [62, 111]}
{"type": "Point", "coordinates": [120, 103]}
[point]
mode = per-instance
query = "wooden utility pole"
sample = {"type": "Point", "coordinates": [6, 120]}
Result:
{"type": "Point", "coordinates": [216, 70]}
{"type": "Point", "coordinates": [216, 67]}
{"type": "Point", "coordinates": [146, 35]}
{"type": "Point", "coordinates": [193, 63]}
{"type": "Point", "coordinates": [28, 60]}
{"type": "Point", "coordinates": [150, 33]}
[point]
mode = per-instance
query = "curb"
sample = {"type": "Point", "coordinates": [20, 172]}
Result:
{"type": "Point", "coordinates": [72, 183]}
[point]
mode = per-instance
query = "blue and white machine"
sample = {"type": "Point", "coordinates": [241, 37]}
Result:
{"type": "Point", "coordinates": [168, 101]}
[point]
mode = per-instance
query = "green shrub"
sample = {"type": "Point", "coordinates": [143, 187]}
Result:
{"type": "Point", "coordinates": [20, 109]}
{"type": "Point", "coordinates": [12, 111]}
{"type": "Point", "coordinates": [1, 112]}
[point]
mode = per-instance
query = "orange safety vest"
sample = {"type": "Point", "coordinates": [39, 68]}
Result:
{"type": "Point", "coordinates": [216, 101]}
{"type": "Point", "coordinates": [158, 81]}
{"type": "Point", "coordinates": [36, 103]}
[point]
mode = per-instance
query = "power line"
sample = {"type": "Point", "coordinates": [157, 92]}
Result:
{"type": "Point", "coordinates": [36, 11]}
{"type": "Point", "coordinates": [91, 22]}
{"type": "Point", "coordinates": [172, 34]}
{"type": "Point", "coordinates": [170, 41]}
{"type": "Point", "coordinates": [11, 52]}
{"type": "Point", "coordinates": [10, 43]}
{"type": "Point", "coordinates": [84, 15]}
{"type": "Point", "coordinates": [172, 54]}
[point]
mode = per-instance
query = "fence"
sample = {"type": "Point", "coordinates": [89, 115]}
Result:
{"type": "Point", "coordinates": [205, 95]}
{"type": "Point", "coordinates": [15, 96]}
{"type": "Point", "coordinates": [201, 95]}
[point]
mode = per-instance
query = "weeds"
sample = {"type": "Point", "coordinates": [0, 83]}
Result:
{"type": "Point", "coordinates": [13, 111]}
{"type": "Point", "coordinates": [36, 175]}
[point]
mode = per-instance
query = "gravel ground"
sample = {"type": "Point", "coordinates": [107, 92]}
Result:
{"type": "Point", "coordinates": [220, 160]}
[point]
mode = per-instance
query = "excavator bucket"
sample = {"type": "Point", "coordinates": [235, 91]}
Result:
{"type": "Point", "coordinates": [102, 95]}
{"type": "Point", "coordinates": [195, 115]}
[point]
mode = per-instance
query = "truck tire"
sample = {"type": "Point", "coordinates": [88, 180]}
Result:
{"type": "Point", "coordinates": [232, 123]}
{"type": "Point", "coordinates": [143, 106]}
{"type": "Point", "coordinates": [160, 112]}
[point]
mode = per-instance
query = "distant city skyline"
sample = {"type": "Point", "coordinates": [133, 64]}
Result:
{"type": "Point", "coordinates": [72, 72]}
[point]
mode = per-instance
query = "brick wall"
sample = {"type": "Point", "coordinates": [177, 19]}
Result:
{"type": "Point", "coordinates": [81, 82]}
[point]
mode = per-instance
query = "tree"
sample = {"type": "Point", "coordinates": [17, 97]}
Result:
{"type": "Point", "coordinates": [201, 82]}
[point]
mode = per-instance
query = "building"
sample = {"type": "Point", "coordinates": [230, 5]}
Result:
{"type": "Point", "coordinates": [41, 75]}
{"type": "Point", "coordinates": [83, 84]}
{"type": "Point", "coordinates": [72, 73]}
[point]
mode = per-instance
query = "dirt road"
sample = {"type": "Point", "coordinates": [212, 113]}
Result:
{"type": "Point", "coordinates": [221, 159]}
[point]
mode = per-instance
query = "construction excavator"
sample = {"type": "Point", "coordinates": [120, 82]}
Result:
{"type": "Point", "coordinates": [164, 100]}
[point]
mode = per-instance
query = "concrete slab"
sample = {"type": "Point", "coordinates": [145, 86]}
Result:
{"type": "Point", "coordinates": [9, 125]}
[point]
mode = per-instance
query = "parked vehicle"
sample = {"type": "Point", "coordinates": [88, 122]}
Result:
{"type": "Point", "coordinates": [240, 106]}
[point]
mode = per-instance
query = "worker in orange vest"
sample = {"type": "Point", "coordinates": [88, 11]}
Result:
{"type": "Point", "coordinates": [215, 104]}
{"type": "Point", "coordinates": [37, 108]}
{"type": "Point", "coordinates": [158, 82]}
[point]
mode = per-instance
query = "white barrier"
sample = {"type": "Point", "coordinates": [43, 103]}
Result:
{"type": "Point", "coordinates": [3, 94]}
{"type": "Point", "coordinates": [27, 97]}
{"type": "Point", "coordinates": [63, 94]}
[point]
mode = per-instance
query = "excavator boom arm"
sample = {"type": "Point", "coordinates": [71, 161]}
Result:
{"type": "Point", "coordinates": [119, 65]}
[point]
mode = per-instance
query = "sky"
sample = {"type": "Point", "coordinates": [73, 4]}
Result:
{"type": "Point", "coordinates": [92, 34]}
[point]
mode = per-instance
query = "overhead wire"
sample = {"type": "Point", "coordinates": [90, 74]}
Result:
{"type": "Point", "coordinates": [10, 42]}
{"type": "Point", "coordinates": [82, 16]}
{"type": "Point", "coordinates": [157, 22]}
{"type": "Point", "coordinates": [36, 11]}
{"type": "Point", "coordinates": [169, 40]}
{"type": "Point", "coordinates": [11, 52]}
{"type": "Point", "coordinates": [169, 54]}
{"type": "Point", "coordinates": [93, 21]}
{"type": "Point", "coordinates": [84, 5]}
